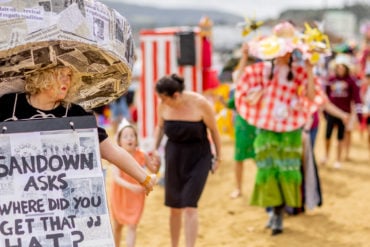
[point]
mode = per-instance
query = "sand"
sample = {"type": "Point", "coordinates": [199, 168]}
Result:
{"type": "Point", "coordinates": [343, 219]}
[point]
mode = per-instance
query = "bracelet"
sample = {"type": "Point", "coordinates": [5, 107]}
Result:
{"type": "Point", "coordinates": [146, 181]}
{"type": "Point", "coordinates": [217, 158]}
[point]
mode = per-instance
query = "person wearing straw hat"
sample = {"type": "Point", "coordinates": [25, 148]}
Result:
{"type": "Point", "coordinates": [278, 96]}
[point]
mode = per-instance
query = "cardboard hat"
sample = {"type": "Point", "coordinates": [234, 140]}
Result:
{"type": "Point", "coordinates": [284, 39]}
{"type": "Point", "coordinates": [92, 39]}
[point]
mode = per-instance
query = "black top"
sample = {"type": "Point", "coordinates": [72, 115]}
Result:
{"type": "Point", "coordinates": [23, 110]}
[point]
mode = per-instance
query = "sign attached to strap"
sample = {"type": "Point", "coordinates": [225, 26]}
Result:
{"type": "Point", "coordinates": [52, 185]}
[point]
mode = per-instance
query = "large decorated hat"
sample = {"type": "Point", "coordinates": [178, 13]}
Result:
{"type": "Point", "coordinates": [92, 39]}
{"type": "Point", "coordinates": [284, 39]}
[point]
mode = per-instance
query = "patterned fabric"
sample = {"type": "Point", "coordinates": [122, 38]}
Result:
{"type": "Point", "coordinates": [284, 105]}
{"type": "Point", "coordinates": [278, 179]}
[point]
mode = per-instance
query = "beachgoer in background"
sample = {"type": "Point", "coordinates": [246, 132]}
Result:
{"type": "Point", "coordinates": [365, 95]}
{"type": "Point", "coordinates": [342, 90]}
{"type": "Point", "coordinates": [244, 133]}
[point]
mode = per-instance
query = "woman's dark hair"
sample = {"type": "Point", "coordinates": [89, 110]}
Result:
{"type": "Point", "coordinates": [170, 84]}
{"type": "Point", "coordinates": [272, 69]}
{"type": "Point", "coordinates": [290, 73]}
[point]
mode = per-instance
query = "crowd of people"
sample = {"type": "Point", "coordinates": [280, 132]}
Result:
{"type": "Point", "coordinates": [278, 100]}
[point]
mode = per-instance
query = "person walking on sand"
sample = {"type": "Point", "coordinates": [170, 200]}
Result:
{"type": "Point", "coordinates": [185, 117]}
{"type": "Point", "coordinates": [244, 132]}
{"type": "Point", "coordinates": [128, 197]}
{"type": "Point", "coordinates": [278, 96]}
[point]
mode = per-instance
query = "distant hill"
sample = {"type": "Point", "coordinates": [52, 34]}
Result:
{"type": "Point", "coordinates": [150, 17]}
{"type": "Point", "coordinates": [361, 11]}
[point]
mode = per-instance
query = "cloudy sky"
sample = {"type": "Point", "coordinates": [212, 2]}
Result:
{"type": "Point", "coordinates": [254, 8]}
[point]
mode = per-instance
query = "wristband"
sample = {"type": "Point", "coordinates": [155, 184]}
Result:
{"type": "Point", "coordinates": [146, 181]}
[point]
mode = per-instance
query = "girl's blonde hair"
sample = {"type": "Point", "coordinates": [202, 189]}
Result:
{"type": "Point", "coordinates": [45, 79]}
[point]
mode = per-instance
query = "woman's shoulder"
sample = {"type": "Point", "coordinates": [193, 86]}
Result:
{"type": "Point", "coordinates": [199, 101]}
{"type": "Point", "coordinates": [194, 96]}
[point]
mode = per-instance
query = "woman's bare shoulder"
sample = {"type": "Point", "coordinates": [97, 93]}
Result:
{"type": "Point", "coordinates": [194, 97]}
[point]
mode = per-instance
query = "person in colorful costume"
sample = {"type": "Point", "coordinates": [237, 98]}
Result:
{"type": "Point", "coordinates": [278, 97]}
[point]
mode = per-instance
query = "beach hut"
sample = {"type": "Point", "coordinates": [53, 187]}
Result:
{"type": "Point", "coordinates": [186, 51]}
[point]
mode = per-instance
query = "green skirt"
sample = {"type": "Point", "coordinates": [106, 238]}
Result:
{"type": "Point", "coordinates": [244, 139]}
{"type": "Point", "coordinates": [278, 178]}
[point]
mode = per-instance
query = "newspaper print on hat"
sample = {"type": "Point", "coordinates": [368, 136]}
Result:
{"type": "Point", "coordinates": [92, 39]}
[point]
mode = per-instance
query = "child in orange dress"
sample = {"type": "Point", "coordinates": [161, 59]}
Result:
{"type": "Point", "coordinates": [128, 197]}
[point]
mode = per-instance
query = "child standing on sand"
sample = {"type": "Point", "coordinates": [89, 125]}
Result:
{"type": "Point", "coordinates": [128, 197]}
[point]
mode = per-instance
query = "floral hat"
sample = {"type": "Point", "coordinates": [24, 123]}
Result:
{"type": "Point", "coordinates": [284, 39]}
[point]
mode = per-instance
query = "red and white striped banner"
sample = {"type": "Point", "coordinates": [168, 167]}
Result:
{"type": "Point", "coordinates": [159, 58]}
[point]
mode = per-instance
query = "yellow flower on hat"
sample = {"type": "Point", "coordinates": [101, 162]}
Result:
{"type": "Point", "coordinates": [270, 47]}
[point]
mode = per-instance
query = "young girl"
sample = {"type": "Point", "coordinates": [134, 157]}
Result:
{"type": "Point", "coordinates": [128, 197]}
{"type": "Point", "coordinates": [342, 91]}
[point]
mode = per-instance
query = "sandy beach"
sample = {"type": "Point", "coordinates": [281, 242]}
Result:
{"type": "Point", "coordinates": [343, 219]}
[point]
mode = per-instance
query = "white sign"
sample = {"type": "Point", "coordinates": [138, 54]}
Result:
{"type": "Point", "coordinates": [52, 189]}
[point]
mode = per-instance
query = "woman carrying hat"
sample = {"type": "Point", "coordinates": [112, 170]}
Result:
{"type": "Point", "coordinates": [278, 97]}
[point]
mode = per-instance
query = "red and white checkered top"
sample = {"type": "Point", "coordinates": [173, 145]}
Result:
{"type": "Point", "coordinates": [284, 105]}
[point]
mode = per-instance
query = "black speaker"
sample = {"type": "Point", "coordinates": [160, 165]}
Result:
{"type": "Point", "coordinates": [185, 48]}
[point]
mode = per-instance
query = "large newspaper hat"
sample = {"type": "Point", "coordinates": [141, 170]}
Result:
{"type": "Point", "coordinates": [92, 39]}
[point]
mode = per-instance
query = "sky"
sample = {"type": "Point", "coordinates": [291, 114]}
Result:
{"type": "Point", "coordinates": [246, 8]}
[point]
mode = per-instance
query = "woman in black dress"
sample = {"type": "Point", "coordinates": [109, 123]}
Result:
{"type": "Point", "coordinates": [185, 118]}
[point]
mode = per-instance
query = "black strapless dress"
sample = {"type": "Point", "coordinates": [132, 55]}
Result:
{"type": "Point", "coordinates": [188, 162]}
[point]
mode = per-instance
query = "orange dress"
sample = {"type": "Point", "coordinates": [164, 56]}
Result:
{"type": "Point", "coordinates": [127, 206]}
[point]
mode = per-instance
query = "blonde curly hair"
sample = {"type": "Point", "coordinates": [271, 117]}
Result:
{"type": "Point", "coordinates": [40, 80]}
